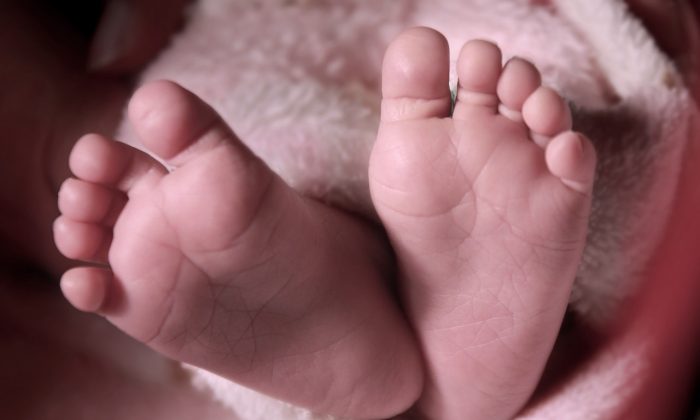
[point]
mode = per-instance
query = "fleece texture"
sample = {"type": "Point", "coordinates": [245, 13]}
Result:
{"type": "Point", "coordinates": [298, 81]}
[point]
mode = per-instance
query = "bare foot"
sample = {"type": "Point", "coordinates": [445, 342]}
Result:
{"type": "Point", "coordinates": [487, 211]}
{"type": "Point", "coordinates": [221, 265]}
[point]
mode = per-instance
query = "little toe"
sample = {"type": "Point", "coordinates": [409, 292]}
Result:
{"type": "Point", "coordinates": [100, 160]}
{"type": "Point", "coordinates": [415, 76]}
{"type": "Point", "coordinates": [546, 114]}
{"type": "Point", "coordinates": [519, 80]}
{"type": "Point", "coordinates": [478, 71]}
{"type": "Point", "coordinates": [87, 202]}
{"type": "Point", "coordinates": [86, 288]}
{"type": "Point", "coordinates": [177, 125]}
{"type": "Point", "coordinates": [571, 157]}
{"type": "Point", "coordinates": [82, 241]}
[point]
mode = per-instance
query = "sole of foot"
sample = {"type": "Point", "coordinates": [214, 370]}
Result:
{"type": "Point", "coordinates": [219, 264]}
{"type": "Point", "coordinates": [487, 210]}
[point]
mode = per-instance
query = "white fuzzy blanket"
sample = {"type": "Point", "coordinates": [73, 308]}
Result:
{"type": "Point", "coordinates": [297, 80]}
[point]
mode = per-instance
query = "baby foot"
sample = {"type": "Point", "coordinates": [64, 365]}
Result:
{"type": "Point", "coordinates": [487, 211]}
{"type": "Point", "coordinates": [221, 265]}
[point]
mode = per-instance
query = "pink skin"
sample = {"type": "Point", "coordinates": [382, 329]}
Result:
{"type": "Point", "coordinates": [220, 264]}
{"type": "Point", "coordinates": [487, 212]}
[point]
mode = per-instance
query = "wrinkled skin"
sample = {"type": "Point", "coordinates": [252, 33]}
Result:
{"type": "Point", "coordinates": [49, 100]}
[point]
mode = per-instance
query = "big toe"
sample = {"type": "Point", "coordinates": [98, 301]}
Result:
{"type": "Point", "coordinates": [415, 76]}
{"type": "Point", "coordinates": [175, 124]}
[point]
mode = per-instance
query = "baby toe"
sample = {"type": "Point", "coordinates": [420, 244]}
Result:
{"type": "Point", "coordinates": [82, 241]}
{"type": "Point", "coordinates": [107, 162]}
{"type": "Point", "coordinates": [519, 80]}
{"type": "Point", "coordinates": [87, 202]}
{"type": "Point", "coordinates": [546, 114]}
{"type": "Point", "coordinates": [571, 157]}
{"type": "Point", "coordinates": [478, 70]}
{"type": "Point", "coordinates": [86, 288]}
